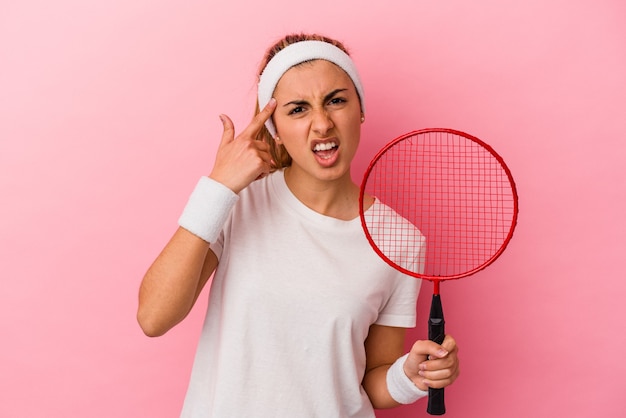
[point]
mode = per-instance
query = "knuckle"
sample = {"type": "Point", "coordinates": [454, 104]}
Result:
{"type": "Point", "coordinates": [450, 341]}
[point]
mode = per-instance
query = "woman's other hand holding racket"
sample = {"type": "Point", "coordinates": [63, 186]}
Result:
{"type": "Point", "coordinates": [432, 365]}
{"type": "Point", "coordinates": [241, 160]}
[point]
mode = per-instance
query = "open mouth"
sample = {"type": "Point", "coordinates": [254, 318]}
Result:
{"type": "Point", "coordinates": [325, 150]}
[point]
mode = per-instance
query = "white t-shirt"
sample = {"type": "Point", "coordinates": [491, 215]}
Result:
{"type": "Point", "coordinates": [289, 310]}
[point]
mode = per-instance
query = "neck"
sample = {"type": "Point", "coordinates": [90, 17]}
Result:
{"type": "Point", "coordinates": [337, 198]}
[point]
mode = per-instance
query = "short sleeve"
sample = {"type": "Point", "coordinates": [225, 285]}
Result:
{"type": "Point", "coordinates": [400, 309]}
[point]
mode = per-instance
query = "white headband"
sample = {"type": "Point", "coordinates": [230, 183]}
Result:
{"type": "Point", "coordinates": [297, 53]}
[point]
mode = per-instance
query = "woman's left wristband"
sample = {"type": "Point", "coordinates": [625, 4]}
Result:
{"type": "Point", "coordinates": [400, 387]}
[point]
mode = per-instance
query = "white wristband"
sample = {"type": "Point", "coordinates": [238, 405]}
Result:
{"type": "Point", "coordinates": [208, 208]}
{"type": "Point", "coordinates": [400, 387]}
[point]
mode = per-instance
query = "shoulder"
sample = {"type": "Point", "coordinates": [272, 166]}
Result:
{"type": "Point", "coordinates": [383, 218]}
{"type": "Point", "coordinates": [399, 240]}
{"type": "Point", "coordinates": [257, 191]}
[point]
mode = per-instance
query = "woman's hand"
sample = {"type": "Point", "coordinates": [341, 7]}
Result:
{"type": "Point", "coordinates": [241, 160]}
{"type": "Point", "coordinates": [432, 365]}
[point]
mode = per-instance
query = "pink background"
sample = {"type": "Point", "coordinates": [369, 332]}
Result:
{"type": "Point", "coordinates": [109, 113]}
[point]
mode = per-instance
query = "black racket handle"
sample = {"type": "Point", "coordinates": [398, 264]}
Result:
{"type": "Point", "coordinates": [436, 333]}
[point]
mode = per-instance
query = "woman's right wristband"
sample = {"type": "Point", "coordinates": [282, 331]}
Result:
{"type": "Point", "coordinates": [207, 209]}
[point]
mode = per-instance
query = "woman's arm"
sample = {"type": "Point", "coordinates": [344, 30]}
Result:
{"type": "Point", "coordinates": [172, 284]}
{"type": "Point", "coordinates": [383, 346]}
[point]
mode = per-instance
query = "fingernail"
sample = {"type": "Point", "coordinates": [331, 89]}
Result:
{"type": "Point", "coordinates": [442, 353]}
{"type": "Point", "coordinates": [272, 102]}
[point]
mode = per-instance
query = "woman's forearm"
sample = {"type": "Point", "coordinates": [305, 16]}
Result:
{"type": "Point", "coordinates": [173, 282]}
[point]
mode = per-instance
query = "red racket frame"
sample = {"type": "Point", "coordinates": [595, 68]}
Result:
{"type": "Point", "coordinates": [437, 279]}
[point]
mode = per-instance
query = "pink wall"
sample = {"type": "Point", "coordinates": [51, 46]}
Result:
{"type": "Point", "coordinates": [108, 114]}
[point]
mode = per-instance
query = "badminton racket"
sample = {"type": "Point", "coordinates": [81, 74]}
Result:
{"type": "Point", "coordinates": [445, 207]}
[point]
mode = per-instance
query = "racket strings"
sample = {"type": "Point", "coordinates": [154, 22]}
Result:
{"type": "Point", "coordinates": [450, 188]}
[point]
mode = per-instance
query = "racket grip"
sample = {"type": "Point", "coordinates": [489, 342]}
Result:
{"type": "Point", "coordinates": [436, 333]}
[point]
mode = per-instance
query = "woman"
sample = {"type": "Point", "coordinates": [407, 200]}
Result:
{"type": "Point", "coordinates": [304, 320]}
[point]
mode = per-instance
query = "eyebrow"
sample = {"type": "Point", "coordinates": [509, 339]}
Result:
{"type": "Point", "coordinates": [326, 98]}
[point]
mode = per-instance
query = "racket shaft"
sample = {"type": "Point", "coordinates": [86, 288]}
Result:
{"type": "Point", "coordinates": [436, 333]}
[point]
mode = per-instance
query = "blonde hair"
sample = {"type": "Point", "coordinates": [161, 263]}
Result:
{"type": "Point", "coordinates": [279, 154]}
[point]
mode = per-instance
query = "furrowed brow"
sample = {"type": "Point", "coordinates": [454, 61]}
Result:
{"type": "Point", "coordinates": [304, 102]}
{"type": "Point", "coordinates": [296, 103]}
{"type": "Point", "coordinates": [333, 94]}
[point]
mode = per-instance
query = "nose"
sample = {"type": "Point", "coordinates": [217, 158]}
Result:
{"type": "Point", "coordinates": [321, 123]}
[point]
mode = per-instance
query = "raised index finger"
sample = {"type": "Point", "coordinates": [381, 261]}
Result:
{"type": "Point", "coordinates": [259, 120]}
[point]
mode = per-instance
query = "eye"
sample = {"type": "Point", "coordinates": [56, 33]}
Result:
{"type": "Point", "coordinates": [296, 110]}
{"type": "Point", "coordinates": [337, 100]}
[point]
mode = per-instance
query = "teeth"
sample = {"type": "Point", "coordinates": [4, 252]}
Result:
{"type": "Point", "coordinates": [324, 147]}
